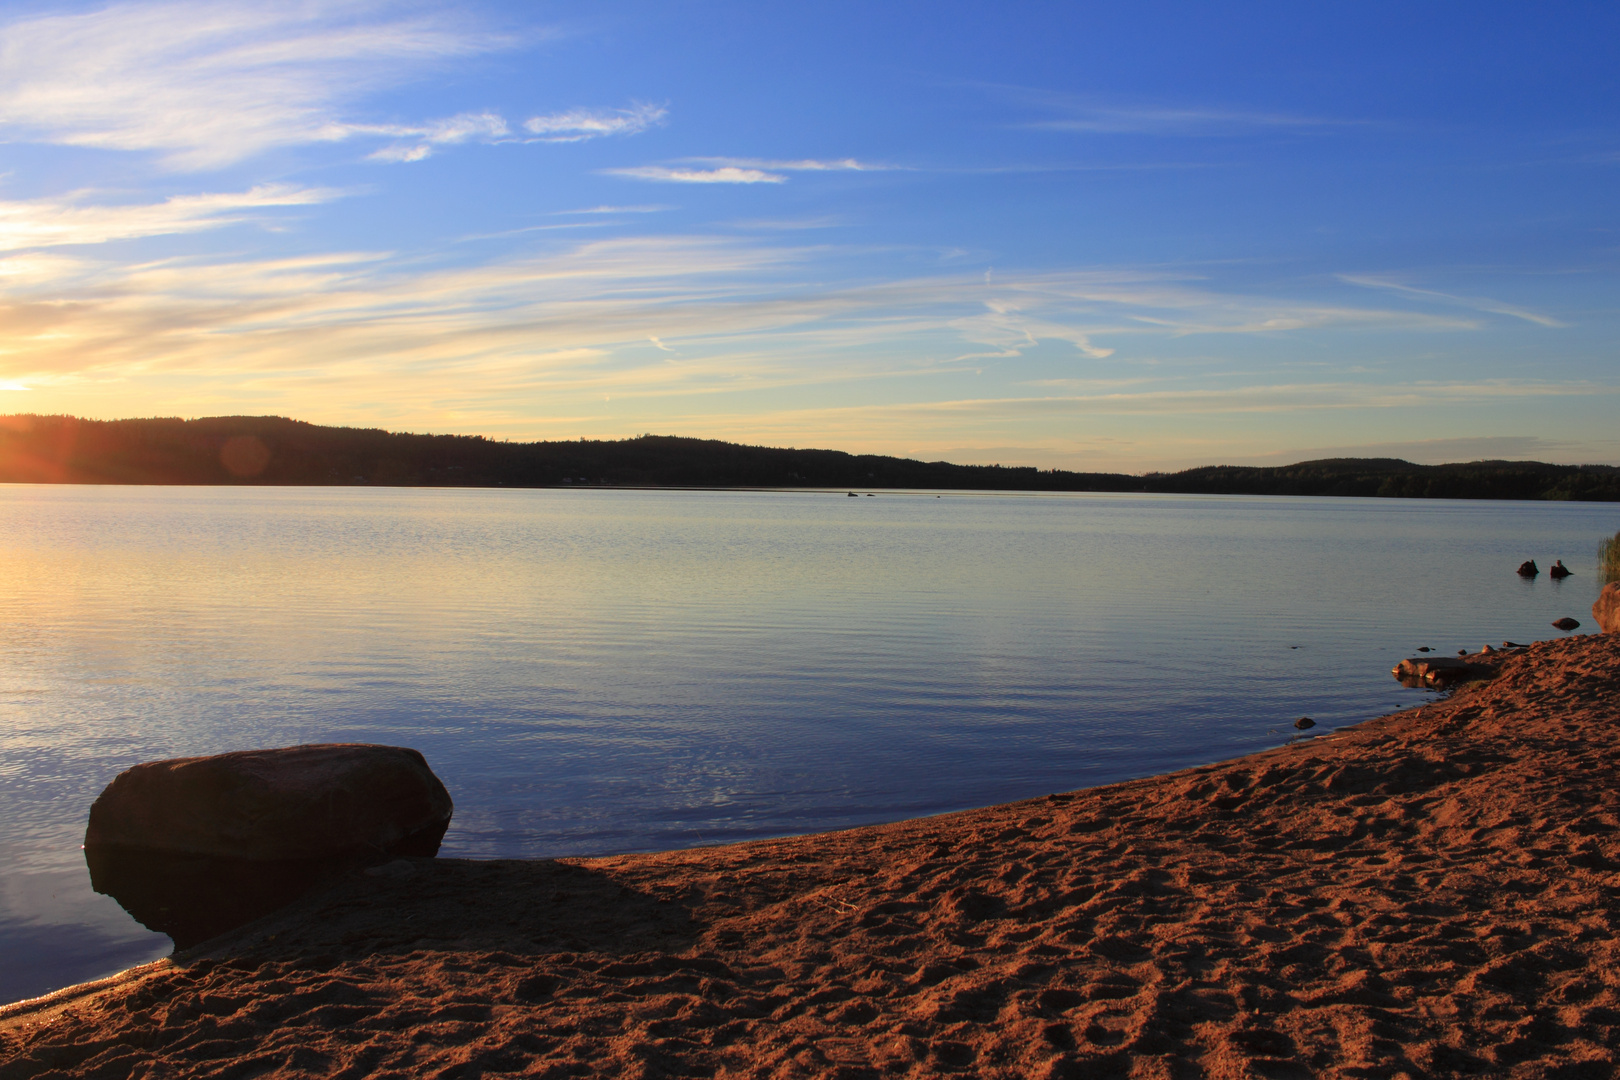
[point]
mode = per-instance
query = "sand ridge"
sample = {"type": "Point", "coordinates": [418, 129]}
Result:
{"type": "Point", "coordinates": [1428, 894]}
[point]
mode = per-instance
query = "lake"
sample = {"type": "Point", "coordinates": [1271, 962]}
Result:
{"type": "Point", "coordinates": [599, 671]}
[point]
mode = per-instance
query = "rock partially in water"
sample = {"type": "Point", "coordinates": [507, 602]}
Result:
{"type": "Point", "coordinates": [194, 847]}
{"type": "Point", "coordinates": [1439, 672]}
{"type": "Point", "coordinates": [322, 801]}
{"type": "Point", "coordinates": [1558, 569]}
{"type": "Point", "coordinates": [1566, 623]}
{"type": "Point", "coordinates": [1304, 723]}
{"type": "Point", "coordinates": [1607, 608]}
{"type": "Point", "coordinates": [1528, 568]}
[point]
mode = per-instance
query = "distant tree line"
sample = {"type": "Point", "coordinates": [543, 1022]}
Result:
{"type": "Point", "coordinates": [274, 450]}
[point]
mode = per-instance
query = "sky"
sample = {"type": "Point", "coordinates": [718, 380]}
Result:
{"type": "Point", "coordinates": [1119, 237]}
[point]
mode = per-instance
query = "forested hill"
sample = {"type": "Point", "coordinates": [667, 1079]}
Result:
{"type": "Point", "coordinates": [273, 450]}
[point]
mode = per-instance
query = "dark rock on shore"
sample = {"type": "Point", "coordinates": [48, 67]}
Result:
{"type": "Point", "coordinates": [1607, 608]}
{"type": "Point", "coordinates": [322, 801]}
{"type": "Point", "coordinates": [1439, 672]}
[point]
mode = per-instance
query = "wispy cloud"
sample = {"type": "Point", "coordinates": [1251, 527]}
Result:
{"type": "Point", "coordinates": [565, 226]}
{"type": "Point", "coordinates": [577, 125]}
{"type": "Point", "coordinates": [1151, 121]}
{"type": "Point", "coordinates": [206, 83]}
{"type": "Point", "coordinates": [730, 300]}
{"type": "Point", "coordinates": [650, 209]}
{"type": "Point", "coordinates": [1475, 303]}
{"type": "Point", "coordinates": [536, 343]}
{"type": "Point", "coordinates": [53, 222]}
{"type": "Point", "coordinates": [820, 221]}
{"type": "Point", "coordinates": [793, 164]}
{"type": "Point", "coordinates": [729, 174]}
{"type": "Point", "coordinates": [460, 128]}
{"type": "Point", "coordinates": [1102, 116]}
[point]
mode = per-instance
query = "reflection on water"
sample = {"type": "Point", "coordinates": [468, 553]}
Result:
{"type": "Point", "coordinates": [598, 671]}
{"type": "Point", "coordinates": [192, 898]}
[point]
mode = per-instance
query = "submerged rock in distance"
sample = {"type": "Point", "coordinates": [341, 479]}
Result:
{"type": "Point", "coordinates": [1528, 568]}
{"type": "Point", "coordinates": [1558, 569]}
{"type": "Point", "coordinates": [1606, 610]}
{"type": "Point", "coordinates": [321, 801]}
{"type": "Point", "coordinates": [1566, 623]}
{"type": "Point", "coordinates": [1304, 723]}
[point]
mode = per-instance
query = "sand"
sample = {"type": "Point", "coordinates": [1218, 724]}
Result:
{"type": "Point", "coordinates": [1428, 894]}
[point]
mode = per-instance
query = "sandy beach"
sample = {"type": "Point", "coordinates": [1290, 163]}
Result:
{"type": "Point", "coordinates": [1429, 894]}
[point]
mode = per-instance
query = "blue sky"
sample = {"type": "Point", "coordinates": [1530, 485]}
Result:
{"type": "Point", "coordinates": [1087, 236]}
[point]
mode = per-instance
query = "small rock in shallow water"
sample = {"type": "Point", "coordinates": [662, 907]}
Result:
{"type": "Point", "coordinates": [1304, 722]}
{"type": "Point", "coordinates": [1559, 570]}
{"type": "Point", "coordinates": [1566, 623]}
{"type": "Point", "coordinates": [1528, 568]}
{"type": "Point", "coordinates": [1424, 648]}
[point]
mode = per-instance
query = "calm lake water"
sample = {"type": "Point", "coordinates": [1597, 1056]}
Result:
{"type": "Point", "coordinates": [600, 671]}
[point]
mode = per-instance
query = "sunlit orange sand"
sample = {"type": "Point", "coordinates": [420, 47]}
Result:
{"type": "Point", "coordinates": [1428, 894]}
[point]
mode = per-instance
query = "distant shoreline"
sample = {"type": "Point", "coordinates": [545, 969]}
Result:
{"type": "Point", "coordinates": [273, 451]}
{"type": "Point", "coordinates": [1404, 894]}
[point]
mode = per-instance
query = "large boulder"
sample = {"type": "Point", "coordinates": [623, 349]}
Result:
{"type": "Point", "coordinates": [323, 801]}
{"type": "Point", "coordinates": [1607, 609]}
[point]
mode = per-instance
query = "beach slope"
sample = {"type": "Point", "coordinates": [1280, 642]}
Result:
{"type": "Point", "coordinates": [1428, 894]}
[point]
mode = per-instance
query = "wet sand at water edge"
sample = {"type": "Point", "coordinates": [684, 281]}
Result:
{"type": "Point", "coordinates": [1433, 893]}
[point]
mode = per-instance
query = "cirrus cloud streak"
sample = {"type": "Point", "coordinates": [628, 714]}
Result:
{"type": "Point", "coordinates": [71, 219]}
{"type": "Point", "coordinates": [207, 83]}
{"type": "Point", "coordinates": [727, 174]}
